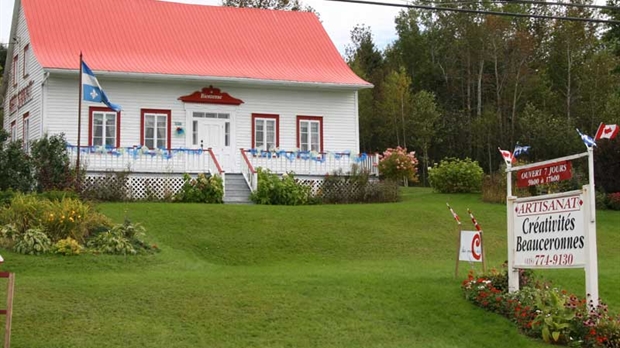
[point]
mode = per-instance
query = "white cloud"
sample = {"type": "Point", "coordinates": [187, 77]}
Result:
{"type": "Point", "coordinates": [338, 19]}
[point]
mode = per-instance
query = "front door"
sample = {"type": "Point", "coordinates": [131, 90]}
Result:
{"type": "Point", "coordinates": [216, 134]}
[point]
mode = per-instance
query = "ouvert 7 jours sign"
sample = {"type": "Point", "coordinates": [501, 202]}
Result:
{"type": "Point", "coordinates": [550, 232]}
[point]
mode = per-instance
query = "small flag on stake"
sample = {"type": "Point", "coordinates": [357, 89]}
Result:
{"type": "Point", "coordinates": [508, 157]}
{"type": "Point", "coordinates": [606, 131]}
{"type": "Point", "coordinates": [520, 150]}
{"type": "Point", "coordinates": [586, 139]}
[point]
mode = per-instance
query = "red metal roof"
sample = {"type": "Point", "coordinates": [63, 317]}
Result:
{"type": "Point", "coordinates": [156, 37]}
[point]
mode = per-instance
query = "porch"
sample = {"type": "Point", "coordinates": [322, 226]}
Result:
{"type": "Point", "coordinates": [156, 165]}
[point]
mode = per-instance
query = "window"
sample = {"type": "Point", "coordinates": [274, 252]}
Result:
{"type": "Point", "coordinates": [310, 133]}
{"type": "Point", "coordinates": [25, 61]}
{"type": "Point", "coordinates": [13, 131]}
{"type": "Point", "coordinates": [26, 133]}
{"type": "Point", "coordinates": [104, 127]}
{"type": "Point", "coordinates": [194, 132]}
{"type": "Point", "coordinates": [155, 125]}
{"type": "Point", "coordinates": [210, 115]}
{"type": "Point", "coordinates": [265, 131]}
{"type": "Point", "coordinates": [14, 72]}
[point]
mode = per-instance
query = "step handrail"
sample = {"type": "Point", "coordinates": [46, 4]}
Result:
{"type": "Point", "coordinates": [248, 171]}
{"type": "Point", "coordinates": [219, 170]}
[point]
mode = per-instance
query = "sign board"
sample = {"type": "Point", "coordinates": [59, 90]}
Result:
{"type": "Point", "coordinates": [553, 172]}
{"type": "Point", "coordinates": [550, 231]}
{"type": "Point", "coordinates": [471, 246]}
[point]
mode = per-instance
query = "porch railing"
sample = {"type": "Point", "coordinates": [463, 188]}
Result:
{"type": "Point", "coordinates": [218, 167]}
{"type": "Point", "coordinates": [248, 171]}
{"type": "Point", "coordinates": [307, 163]}
{"type": "Point", "coordinates": [138, 159]}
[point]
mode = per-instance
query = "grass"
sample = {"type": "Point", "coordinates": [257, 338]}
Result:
{"type": "Point", "coordinates": [378, 275]}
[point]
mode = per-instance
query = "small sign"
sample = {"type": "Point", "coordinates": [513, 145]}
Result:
{"type": "Point", "coordinates": [471, 246]}
{"type": "Point", "coordinates": [550, 232]}
{"type": "Point", "coordinates": [554, 172]}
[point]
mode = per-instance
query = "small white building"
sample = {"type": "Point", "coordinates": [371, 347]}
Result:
{"type": "Point", "coordinates": [202, 88]}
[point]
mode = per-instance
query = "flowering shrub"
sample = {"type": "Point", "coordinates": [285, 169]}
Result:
{"type": "Point", "coordinates": [613, 201]}
{"type": "Point", "coordinates": [453, 175]}
{"type": "Point", "coordinates": [206, 188]}
{"type": "Point", "coordinates": [396, 164]}
{"type": "Point", "coordinates": [544, 312]}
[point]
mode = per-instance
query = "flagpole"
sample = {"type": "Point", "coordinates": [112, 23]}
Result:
{"type": "Point", "coordinates": [77, 162]}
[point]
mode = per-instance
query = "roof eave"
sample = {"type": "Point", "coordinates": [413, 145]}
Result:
{"type": "Point", "coordinates": [216, 79]}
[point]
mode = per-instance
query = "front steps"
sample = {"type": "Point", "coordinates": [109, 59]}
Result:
{"type": "Point", "coordinates": [236, 190]}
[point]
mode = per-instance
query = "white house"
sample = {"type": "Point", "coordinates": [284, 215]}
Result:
{"type": "Point", "coordinates": [202, 88]}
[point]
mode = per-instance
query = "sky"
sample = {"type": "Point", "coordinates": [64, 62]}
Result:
{"type": "Point", "coordinates": [338, 19]}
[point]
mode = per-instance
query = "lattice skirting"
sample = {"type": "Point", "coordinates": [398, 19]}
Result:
{"type": "Point", "coordinates": [153, 186]}
{"type": "Point", "coordinates": [134, 186]}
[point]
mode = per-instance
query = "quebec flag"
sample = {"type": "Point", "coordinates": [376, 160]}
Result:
{"type": "Point", "coordinates": [92, 91]}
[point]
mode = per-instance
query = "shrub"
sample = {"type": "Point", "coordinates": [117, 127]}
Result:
{"type": "Point", "coordinates": [109, 188]}
{"type": "Point", "coordinates": [606, 165]}
{"type": "Point", "coordinates": [206, 188]}
{"type": "Point", "coordinates": [67, 247]}
{"type": "Point", "coordinates": [32, 242]}
{"type": "Point", "coordinates": [66, 218]}
{"type": "Point", "coordinates": [613, 201]}
{"type": "Point", "coordinates": [16, 168]}
{"type": "Point", "coordinates": [111, 243]}
{"type": "Point", "coordinates": [123, 239]}
{"type": "Point", "coordinates": [6, 197]}
{"type": "Point", "coordinates": [357, 187]}
{"type": "Point", "coordinates": [601, 200]}
{"type": "Point", "coordinates": [396, 164]}
{"type": "Point", "coordinates": [58, 196]}
{"type": "Point", "coordinates": [8, 234]}
{"type": "Point", "coordinates": [273, 190]}
{"type": "Point", "coordinates": [456, 176]}
{"type": "Point", "coordinates": [53, 169]}
{"type": "Point", "coordinates": [24, 212]}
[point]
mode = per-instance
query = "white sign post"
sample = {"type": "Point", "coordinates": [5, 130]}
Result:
{"type": "Point", "coordinates": [553, 231]}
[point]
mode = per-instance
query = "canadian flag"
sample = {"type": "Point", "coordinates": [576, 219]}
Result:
{"type": "Point", "coordinates": [508, 157]}
{"type": "Point", "coordinates": [608, 131]}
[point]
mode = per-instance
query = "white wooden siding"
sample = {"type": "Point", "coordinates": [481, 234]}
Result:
{"type": "Point", "coordinates": [338, 109]}
{"type": "Point", "coordinates": [35, 74]}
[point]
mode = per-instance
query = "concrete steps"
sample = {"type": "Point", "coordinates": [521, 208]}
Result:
{"type": "Point", "coordinates": [237, 190]}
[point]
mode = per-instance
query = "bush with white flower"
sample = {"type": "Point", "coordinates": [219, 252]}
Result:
{"type": "Point", "coordinates": [398, 164]}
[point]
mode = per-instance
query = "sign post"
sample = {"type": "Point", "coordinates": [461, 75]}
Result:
{"type": "Point", "coordinates": [554, 230]}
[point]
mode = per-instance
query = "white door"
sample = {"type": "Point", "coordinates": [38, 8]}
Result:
{"type": "Point", "coordinates": [215, 134]}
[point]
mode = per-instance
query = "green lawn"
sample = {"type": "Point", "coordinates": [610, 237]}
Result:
{"type": "Point", "coordinates": [377, 275]}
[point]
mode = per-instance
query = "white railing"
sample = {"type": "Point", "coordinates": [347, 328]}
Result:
{"type": "Point", "coordinates": [137, 159]}
{"type": "Point", "coordinates": [307, 163]}
{"type": "Point", "coordinates": [248, 171]}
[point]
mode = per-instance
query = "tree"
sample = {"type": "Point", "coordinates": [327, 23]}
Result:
{"type": "Point", "coordinates": [286, 5]}
{"type": "Point", "coordinates": [425, 118]}
{"type": "Point", "coordinates": [396, 104]}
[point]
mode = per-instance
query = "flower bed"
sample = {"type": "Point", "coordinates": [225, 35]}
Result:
{"type": "Point", "coordinates": [542, 311]}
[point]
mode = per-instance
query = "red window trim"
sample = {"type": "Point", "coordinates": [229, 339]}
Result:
{"type": "Point", "coordinates": [268, 116]}
{"type": "Point", "coordinates": [24, 72]}
{"type": "Point", "coordinates": [156, 111]}
{"type": "Point", "coordinates": [310, 118]}
{"type": "Point", "coordinates": [15, 66]}
{"type": "Point", "coordinates": [94, 109]}
{"type": "Point", "coordinates": [13, 124]}
{"type": "Point", "coordinates": [26, 115]}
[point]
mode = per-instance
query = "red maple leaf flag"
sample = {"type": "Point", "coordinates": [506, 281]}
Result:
{"type": "Point", "coordinates": [508, 157]}
{"type": "Point", "coordinates": [606, 131]}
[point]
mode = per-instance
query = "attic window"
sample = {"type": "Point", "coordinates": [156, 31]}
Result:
{"type": "Point", "coordinates": [14, 71]}
{"type": "Point", "coordinates": [25, 59]}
